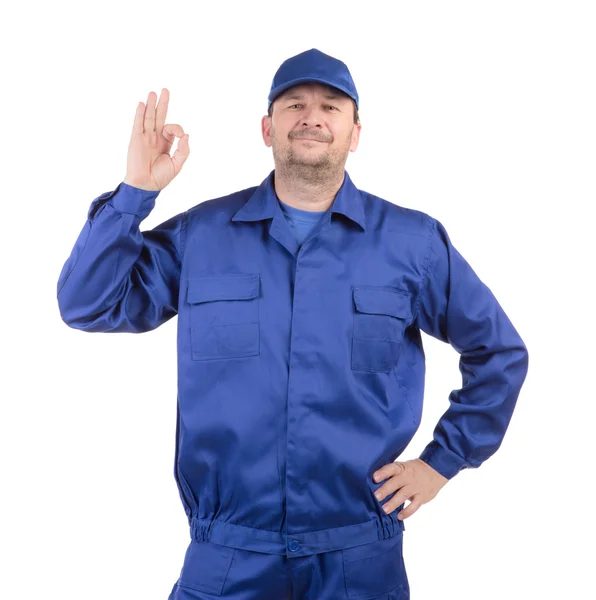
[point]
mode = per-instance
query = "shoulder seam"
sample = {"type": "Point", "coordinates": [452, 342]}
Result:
{"type": "Point", "coordinates": [432, 227]}
{"type": "Point", "coordinates": [183, 237]}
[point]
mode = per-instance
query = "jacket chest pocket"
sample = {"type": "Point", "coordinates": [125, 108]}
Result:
{"type": "Point", "coordinates": [381, 315]}
{"type": "Point", "coordinates": [224, 316]}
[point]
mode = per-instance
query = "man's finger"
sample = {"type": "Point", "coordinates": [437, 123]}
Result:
{"type": "Point", "coordinates": [137, 126]}
{"type": "Point", "coordinates": [172, 130]}
{"type": "Point", "coordinates": [409, 510]}
{"type": "Point", "coordinates": [402, 494]}
{"type": "Point", "coordinates": [181, 154]}
{"type": "Point", "coordinates": [394, 468]}
{"type": "Point", "coordinates": [149, 122]}
{"type": "Point", "coordinates": [162, 110]}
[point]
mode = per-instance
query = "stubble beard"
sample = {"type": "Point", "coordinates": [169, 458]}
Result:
{"type": "Point", "coordinates": [316, 170]}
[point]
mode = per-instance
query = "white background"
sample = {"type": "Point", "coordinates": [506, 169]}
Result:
{"type": "Point", "coordinates": [482, 114]}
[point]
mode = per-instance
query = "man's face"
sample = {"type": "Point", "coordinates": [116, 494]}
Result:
{"type": "Point", "coordinates": [311, 130]}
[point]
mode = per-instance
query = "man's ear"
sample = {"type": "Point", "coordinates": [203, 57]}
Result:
{"type": "Point", "coordinates": [355, 137]}
{"type": "Point", "coordinates": [266, 130]}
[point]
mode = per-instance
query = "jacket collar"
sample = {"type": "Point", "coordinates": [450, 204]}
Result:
{"type": "Point", "coordinates": [263, 203]}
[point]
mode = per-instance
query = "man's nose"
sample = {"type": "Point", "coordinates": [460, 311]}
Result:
{"type": "Point", "coordinates": [311, 115]}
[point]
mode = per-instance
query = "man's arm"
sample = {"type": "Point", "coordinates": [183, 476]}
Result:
{"type": "Point", "coordinates": [455, 306]}
{"type": "Point", "coordinates": [117, 278]}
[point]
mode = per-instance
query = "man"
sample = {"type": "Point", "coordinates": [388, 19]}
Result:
{"type": "Point", "coordinates": [300, 307]}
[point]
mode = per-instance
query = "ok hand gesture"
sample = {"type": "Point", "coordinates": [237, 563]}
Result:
{"type": "Point", "coordinates": [149, 165]}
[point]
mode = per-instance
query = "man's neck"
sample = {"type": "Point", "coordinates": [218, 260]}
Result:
{"type": "Point", "coordinates": [307, 195]}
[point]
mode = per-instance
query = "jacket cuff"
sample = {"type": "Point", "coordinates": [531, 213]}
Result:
{"type": "Point", "coordinates": [134, 200]}
{"type": "Point", "coordinates": [444, 461]}
{"type": "Point", "coordinates": [126, 199]}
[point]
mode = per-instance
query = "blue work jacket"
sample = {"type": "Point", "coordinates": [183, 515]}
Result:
{"type": "Point", "coordinates": [300, 367]}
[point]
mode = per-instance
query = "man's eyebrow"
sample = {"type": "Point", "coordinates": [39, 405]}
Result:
{"type": "Point", "coordinates": [296, 96]}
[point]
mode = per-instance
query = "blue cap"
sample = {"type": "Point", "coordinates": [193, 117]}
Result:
{"type": "Point", "coordinates": [312, 65]}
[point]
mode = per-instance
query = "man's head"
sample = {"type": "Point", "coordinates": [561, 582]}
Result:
{"type": "Point", "coordinates": [311, 128]}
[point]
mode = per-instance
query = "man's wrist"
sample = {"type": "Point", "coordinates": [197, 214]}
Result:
{"type": "Point", "coordinates": [443, 461]}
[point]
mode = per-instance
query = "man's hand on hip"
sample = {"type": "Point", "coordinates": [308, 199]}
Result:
{"type": "Point", "coordinates": [414, 480]}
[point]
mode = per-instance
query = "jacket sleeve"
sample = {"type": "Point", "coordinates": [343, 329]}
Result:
{"type": "Point", "coordinates": [118, 278]}
{"type": "Point", "coordinates": [455, 306]}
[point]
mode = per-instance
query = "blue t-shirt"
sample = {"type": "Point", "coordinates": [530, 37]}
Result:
{"type": "Point", "coordinates": [301, 221]}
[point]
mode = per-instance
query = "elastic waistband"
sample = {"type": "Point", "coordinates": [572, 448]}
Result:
{"type": "Point", "coordinates": [295, 544]}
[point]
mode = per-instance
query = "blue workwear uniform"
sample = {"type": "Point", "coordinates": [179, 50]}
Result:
{"type": "Point", "coordinates": [300, 365]}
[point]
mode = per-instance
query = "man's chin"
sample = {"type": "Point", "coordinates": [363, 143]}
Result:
{"type": "Point", "coordinates": [308, 158]}
{"type": "Point", "coordinates": [305, 164]}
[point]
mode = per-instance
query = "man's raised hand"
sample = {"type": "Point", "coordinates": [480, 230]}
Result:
{"type": "Point", "coordinates": [149, 165]}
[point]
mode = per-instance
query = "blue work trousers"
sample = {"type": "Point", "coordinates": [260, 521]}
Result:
{"type": "Point", "coordinates": [370, 571]}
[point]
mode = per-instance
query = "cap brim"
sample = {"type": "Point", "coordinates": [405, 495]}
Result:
{"type": "Point", "coordinates": [275, 92]}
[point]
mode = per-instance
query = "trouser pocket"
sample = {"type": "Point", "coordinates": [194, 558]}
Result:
{"type": "Point", "coordinates": [206, 567]}
{"type": "Point", "coordinates": [375, 571]}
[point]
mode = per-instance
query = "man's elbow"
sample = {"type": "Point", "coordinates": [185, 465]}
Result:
{"type": "Point", "coordinates": [86, 317]}
{"type": "Point", "coordinates": [520, 360]}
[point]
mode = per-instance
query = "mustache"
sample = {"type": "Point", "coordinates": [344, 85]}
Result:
{"type": "Point", "coordinates": [307, 136]}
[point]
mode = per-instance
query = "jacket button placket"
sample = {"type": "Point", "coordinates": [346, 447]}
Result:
{"type": "Point", "coordinates": [294, 473]}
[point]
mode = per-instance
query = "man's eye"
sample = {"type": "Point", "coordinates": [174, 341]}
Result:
{"type": "Point", "coordinates": [330, 105]}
